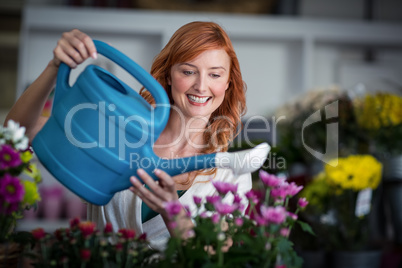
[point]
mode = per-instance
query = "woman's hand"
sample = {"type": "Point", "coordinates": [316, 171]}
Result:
{"type": "Point", "coordinates": [158, 193]}
{"type": "Point", "coordinates": [73, 48]}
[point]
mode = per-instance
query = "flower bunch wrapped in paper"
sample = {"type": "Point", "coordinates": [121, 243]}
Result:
{"type": "Point", "coordinates": [18, 177]}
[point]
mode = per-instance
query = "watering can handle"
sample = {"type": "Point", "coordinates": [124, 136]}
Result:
{"type": "Point", "coordinates": [157, 91]}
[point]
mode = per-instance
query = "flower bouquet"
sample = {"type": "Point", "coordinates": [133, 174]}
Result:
{"type": "Point", "coordinates": [18, 178]}
{"type": "Point", "coordinates": [340, 201]}
{"type": "Point", "coordinates": [82, 245]}
{"type": "Point", "coordinates": [223, 237]}
{"type": "Point", "coordinates": [380, 115]}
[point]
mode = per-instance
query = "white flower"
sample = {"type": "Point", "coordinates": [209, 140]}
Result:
{"type": "Point", "coordinates": [221, 236]}
{"type": "Point", "coordinates": [14, 132]}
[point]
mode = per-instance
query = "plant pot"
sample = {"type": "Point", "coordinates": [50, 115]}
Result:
{"type": "Point", "coordinates": [314, 258]}
{"type": "Point", "coordinates": [392, 179]}
{"type": "Point", "coordinates": [10, 254]}
{"type": "Point", "coordinates": [356, 259]}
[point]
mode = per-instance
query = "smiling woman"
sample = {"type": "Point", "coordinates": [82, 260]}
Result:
{"type": "Point", "coordinates": [199, 70]}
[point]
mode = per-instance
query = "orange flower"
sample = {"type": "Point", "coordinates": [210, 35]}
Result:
{"type": "Point", "coordinates": [87, 228]}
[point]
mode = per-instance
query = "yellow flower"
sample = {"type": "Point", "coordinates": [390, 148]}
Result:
{"type": "Point", "coordinates": [26, 156]}
{"type": "Point", "coordinates": [356, 172]}
{"type": "Point", "coordinates": [379, 110]}
{"type": "Point", "coordinates": [31, 192]}
{"type": "Point", "coordinates": [33, 172]}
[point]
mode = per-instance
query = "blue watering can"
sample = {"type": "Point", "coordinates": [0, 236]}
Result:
{"type": "Point", "coordinates": [101, 131]}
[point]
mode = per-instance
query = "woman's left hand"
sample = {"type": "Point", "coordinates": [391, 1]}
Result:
{"type": "Point", "coordinates": [158, 193]}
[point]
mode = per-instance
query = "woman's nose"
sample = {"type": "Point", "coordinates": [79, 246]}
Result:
{"type": "Point", "coordinates": [201, 83]}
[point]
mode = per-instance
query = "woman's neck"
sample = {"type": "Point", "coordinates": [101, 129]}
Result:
{"type": "Point", "coordinates": [182, 136]}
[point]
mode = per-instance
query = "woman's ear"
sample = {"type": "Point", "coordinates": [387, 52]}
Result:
{"type": "Point", "coordinates": [169, 82]}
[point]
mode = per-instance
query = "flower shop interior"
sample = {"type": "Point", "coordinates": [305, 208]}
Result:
{"type": "Point", "coordinates": [324, 89]}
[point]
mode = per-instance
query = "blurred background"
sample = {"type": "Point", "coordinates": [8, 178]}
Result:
{"type": "Point", "coordinates": [286, 49]}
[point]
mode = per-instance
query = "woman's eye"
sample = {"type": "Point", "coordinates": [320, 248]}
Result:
{"type": "Point", "coordinates": [188, 72]}
{"type": "Point", "coordinates": [215, 75]}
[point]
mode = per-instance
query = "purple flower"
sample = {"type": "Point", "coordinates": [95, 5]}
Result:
{"type": "Point", "coordinates": [9, 158]}
{"type": "Point", "coordinates": [275, 215]}
{"type": "Point", "coordinates": [280, 192]}
{"type": "Point", "coordinates": [236, 199]}
{"type": "Point", "coordinates": [197, 200]}
{"type": "Point", "coordinates": [302, 202]}
{"type": "Point", "coordinates": [215, 218]}
{"type": "Point", "coordinates": [253, 196]}
{"type": "Point", "coordinates": [224, 187]}
{"type": "Point", "coordinates": [11, 189]}
{"type": "Point", "coordinates": [293, 189]}
{"type": "Point", "coordinates": [269, 179]}
{"type": "Point", "coordinates": [213, 199]}
{"type": "Point", "coordinates": [173, 208]}
{"type": "Point", "coordinates": [224, 209]}
{"type": "Point", "coordinates": [292, 215]}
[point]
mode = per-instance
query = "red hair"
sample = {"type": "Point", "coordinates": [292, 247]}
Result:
{"type": "Point", "coordinates": [186, 44]}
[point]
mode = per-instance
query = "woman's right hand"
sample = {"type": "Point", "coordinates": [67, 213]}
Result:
{"type": "Point", "coordinates": [73, 48]}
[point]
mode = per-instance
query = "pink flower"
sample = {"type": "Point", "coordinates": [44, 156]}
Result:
{"type": "Point", "coordinates": [238, 222]}
{"type": "Point", "coordinates": [293, 189]}
{"type": "Point", "coordinates": [224, 187]}
{"type": "Point", "coordinates": [253, 196]}
{"type": "Point", "coordinates": [85, 254]}
{"type": "Point", "coordinates": [215, 218]}
{"type": "Point", "coordinates": [9, 158]}
{"type": "Point", "coordinates": [204, 215]}
{"type": "Point", "coordinates": [173, 208]}
{"type": "Point", "coordinates": [292, 215]}
{"type": "Point", "coordinates": [127, 233]}
{"type": "Point", "coordinates": [280, 192]}
{"type": "Point", "coordinates": [269, 179]}
{"type": "Point", "coordinates": [11, 189]}
{"type": "Point", "coordinates": [302, 202]}
{"type": "Point", "coordinates": [197, 200]}
{"type": "Point", "coordinates": [224, 209]}
{"type": "Point", "coordinates": [236, 199]}
{"type": "Point", "coordinates": [108, 228]}
{"type": "Point", "coordinates": [74, 222]}
{"type": "Point", "coordinates": [284, 232]}
{"type": "Point", "coordinates": [213, 199]}
{"type": "Point", "coordinates": [143, 237]}
{"type": "Point", "coordinates": [276, 215]}
{"type": "Point", "coordinates": [38, 233]}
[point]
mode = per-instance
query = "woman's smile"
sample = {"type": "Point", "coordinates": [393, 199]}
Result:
{"type": "Point", "coordinates": [198, 100]}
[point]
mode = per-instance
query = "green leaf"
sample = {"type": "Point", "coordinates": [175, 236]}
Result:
{"type": "Point", "coordinates": [306, 227]}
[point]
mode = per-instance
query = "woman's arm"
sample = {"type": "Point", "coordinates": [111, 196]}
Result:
{"type": "Point", "coordinates": [73, 48]}
{"type": "Point", "coordinates": [161, 192]}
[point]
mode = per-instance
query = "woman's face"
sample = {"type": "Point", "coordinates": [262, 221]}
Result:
{"type": "Point", "coordinates": [198, 86]}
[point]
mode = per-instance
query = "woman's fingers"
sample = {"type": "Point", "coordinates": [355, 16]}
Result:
{"type": "Point", "coordinates": [74, 48]}
{"type": "Point", "coordinates": [166, 180]}
{"type": "Point", "coordinates": [146, 195]}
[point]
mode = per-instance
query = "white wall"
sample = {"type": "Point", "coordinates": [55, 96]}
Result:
{"type": "Point", "coordinates": [279, 57]}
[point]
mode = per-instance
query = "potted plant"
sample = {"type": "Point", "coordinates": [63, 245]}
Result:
{"type": "Point", "coordinates": [380, 115]}
{"type": "Point", "coordinates": [18, 187]}
{"type": "Point", "coordinates": [83, 245]}
{"type": "Point", "coordinates": [223, 237]}
{"type": "Point", "coordinates": [341, 199]}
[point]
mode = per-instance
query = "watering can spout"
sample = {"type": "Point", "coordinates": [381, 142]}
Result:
{"type": "Point", "coordinates": [240, 162]}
